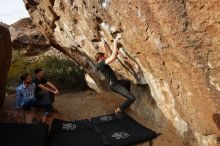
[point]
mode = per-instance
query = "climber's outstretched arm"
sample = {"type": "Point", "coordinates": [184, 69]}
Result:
{"type": "Point", "coordinates": [106, 50]}
{"type": "Point", "coordinates": [113, 55]}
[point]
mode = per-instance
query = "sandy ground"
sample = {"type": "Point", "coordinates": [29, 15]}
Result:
{"type": "Point", "coordinates": [84, 105]}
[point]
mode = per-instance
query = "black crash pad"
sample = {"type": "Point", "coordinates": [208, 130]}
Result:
{"type": "Point", "coordinates": [121, 130]}
{"type": "Point", "coordinates": [18, 134]}
{"type": "Point", "coordinates": [107, 130]}
{"type": "Point", "coordinates": [76, 133]}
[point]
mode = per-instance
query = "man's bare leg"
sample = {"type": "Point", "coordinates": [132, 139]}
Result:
{"type": "Point", "coordinates": [29, 115]}
{"type": "Point", "coordinates": [44, 119]}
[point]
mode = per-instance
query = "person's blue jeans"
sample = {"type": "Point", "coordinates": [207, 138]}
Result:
{"type": "Point", "coordinates": [37, 104]}
{"type": "Point", "coordinates": [123, 88]}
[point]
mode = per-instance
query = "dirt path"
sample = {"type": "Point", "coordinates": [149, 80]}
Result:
{"type": "Point", "coordinates": [87, 104]}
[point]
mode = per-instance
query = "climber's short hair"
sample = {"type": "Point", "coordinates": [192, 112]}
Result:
{"type": "Point", "coordinates": [98, 55]}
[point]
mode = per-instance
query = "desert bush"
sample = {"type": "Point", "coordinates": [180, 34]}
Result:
{"type": "Point", "coordinates": [65, 74]}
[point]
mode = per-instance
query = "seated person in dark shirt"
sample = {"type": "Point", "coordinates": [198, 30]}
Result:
{"type": "Point", "coordinates": [45, 90]}
{"type": "Point", "coordinates": [119, 86]}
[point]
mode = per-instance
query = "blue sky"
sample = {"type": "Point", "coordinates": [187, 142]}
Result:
{"type": "Point", "coordinates": [12, 11]}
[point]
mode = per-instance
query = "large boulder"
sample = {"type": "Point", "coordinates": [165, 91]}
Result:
{"type": "Point", "coordinates": [27, 39]}
{"type": "Point", "coordinates": [172, 50]}
{"type": "Point", "coordinates": [5, 55]}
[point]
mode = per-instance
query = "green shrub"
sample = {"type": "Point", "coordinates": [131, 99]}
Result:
{"type": "Point", "coordinates": [62, 72]}
{"type": "Point", "coordinates": [17, 68]}
{"type": "Point", "coordinates": [16, 55]}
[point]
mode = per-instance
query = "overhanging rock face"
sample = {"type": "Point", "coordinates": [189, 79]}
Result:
{"type": "Point", "coordinates": [173, 46]}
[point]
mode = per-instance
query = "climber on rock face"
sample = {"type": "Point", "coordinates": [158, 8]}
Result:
{"type": "Point", "coordinates": [119, 86]}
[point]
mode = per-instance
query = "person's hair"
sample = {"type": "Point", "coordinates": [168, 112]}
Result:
{"type": "Point", "coordinates": [98, 55]}
{"type": "Point", "coordinates": [36, 71]}
{"type": "Point", "coordinates": [24, 76]}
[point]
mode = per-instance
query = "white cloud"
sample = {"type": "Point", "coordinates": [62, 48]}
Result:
{"type": "Point", "coordinates": [12, 11]}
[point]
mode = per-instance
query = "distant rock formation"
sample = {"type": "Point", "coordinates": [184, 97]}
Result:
{"type": "Point", "coordinates": [5, 56]}
{"type": "Point", "coordinates": [172, 50]}
{"type": "Point", "coordinates": [27, 39]}
{"type": "Point", "coordinates": [4, 24]}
